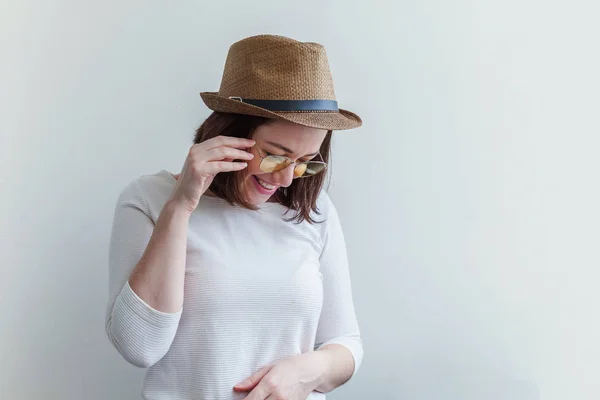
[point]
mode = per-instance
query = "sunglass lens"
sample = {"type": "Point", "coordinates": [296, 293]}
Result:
{"type": "Point", "coordinates": [300, 170]}
{"type": "Point", "coordinates": [309, 169]}
{"type": "Point", "coordinates": [274, 164]}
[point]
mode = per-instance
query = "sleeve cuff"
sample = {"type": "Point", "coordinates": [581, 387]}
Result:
{"type": "Point", "coordinates": [140, 333]}
{"type": "Point", "coordinates": [353, 344]}
{"type": "Point", "coordinates": [130, 306]}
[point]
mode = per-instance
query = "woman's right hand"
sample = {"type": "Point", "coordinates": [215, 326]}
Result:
{"type": "Point", "coordinates": [203, 162]}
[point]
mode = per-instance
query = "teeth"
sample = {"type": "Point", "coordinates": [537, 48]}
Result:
{"type": "Point", "coordinates": [265, 184]}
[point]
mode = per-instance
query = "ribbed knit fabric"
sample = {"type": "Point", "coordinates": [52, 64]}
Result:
{"type": "Point", "coordinates": [257, 289]}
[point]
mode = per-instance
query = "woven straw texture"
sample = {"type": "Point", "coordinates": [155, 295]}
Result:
{"type": "Point", "coordinates": [270, 67]}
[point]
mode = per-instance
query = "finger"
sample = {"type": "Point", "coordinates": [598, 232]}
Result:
{"type": "Point", "coordinates": [215, 167]}
{"type": "Point", "coordinates": [229, 141]}
{"type": "Point", "coordinates": [260, 392]}
{"type": "Point", "coordinates": [254, 379]}
{"type": "Point", "coordinates": [223, 153]}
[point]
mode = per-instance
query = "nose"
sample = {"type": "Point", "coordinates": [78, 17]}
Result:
{"type": "Point", "coordinates": [284, 177]}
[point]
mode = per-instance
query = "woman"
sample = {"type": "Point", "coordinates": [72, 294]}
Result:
{"type": "Point", "coordinates": [230, 280]}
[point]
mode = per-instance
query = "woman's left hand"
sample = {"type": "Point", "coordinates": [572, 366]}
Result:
{"type": "Point", "coordinates": [293, 378]}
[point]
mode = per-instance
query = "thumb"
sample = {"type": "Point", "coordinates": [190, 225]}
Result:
{"type": "Point", "coordinates": [251, 382]}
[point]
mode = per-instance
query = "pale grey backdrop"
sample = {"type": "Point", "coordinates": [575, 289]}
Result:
{"type": "Point", "coordinates": [469, 198]}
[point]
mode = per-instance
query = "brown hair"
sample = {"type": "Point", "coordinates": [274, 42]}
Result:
{"type": "Point", "coordinates": [301, 196]}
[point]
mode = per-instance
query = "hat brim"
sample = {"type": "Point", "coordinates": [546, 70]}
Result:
{"type": "Point", "coordinates": [323, 120]}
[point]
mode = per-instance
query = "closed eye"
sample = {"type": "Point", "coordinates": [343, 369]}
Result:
{"type": "Point", "coordinates": [304, 159]}
{"type": "Point", "coordinates": [288, 151]}
{"type": "Point", "coordinates": [274, 155]}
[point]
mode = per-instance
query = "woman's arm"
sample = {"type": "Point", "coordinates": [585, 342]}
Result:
{"type": "Point", "coordinates": [146, 269]}
{"type": "Point", "coordinates": [147, 260]}
{"type": "Point", "coordinates": [338, 332]}
{"type": "Point", "coordinates": [339, 367]}
{"type": "Point", "coordinates": [159, 276]}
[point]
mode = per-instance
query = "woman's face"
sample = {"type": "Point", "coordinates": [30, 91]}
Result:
{"type": "Point", "coordinates": [281, 138]}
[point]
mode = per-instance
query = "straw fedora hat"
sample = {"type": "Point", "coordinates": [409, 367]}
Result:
{"type": "Point", "coordinates": [277, 77]}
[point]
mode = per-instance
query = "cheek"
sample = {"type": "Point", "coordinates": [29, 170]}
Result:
{"type": "Point", "coordinates": [254, 167]}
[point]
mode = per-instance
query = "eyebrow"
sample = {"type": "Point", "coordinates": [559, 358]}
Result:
{"type": "Point", "coordinates": [288, 151]}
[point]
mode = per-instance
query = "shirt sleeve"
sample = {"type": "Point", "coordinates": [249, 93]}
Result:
{"type": "Point", "coordinates": [338, 323]}
{"type": "Point", "coordinates": [141, 334]}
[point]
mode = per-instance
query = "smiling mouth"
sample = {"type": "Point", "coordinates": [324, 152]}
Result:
{"type": "Point", "coordinates": [265, 185]}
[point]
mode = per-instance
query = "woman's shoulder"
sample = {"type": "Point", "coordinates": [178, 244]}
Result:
{"type": "Point", "coordinates": [326, 210]}
{"type": "Point", "coordinates": [326, 215]}
{"type": "Point", "coordinates": [324, 203]}
{"type": "Point", "coordinates": [149, 190]}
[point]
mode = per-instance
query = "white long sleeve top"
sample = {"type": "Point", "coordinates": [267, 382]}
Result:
{"type": "Point", "coordinates": [257, 289]}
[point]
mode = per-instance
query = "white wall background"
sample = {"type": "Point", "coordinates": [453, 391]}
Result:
{"type": "Point", "coordinates": [470, 198]}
